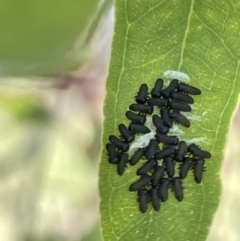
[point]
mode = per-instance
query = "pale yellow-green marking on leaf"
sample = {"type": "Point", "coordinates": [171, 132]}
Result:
{"type": "Point", "coordinates": [201, 39]}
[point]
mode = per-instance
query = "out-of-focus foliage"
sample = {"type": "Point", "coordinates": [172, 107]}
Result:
{"type": "Point", "coordinates": [48, 181]}
{"type": "Point", "coordinates": [24, 107]}
{"type": "Point", "coordinates": [46, 37]}
{"type": "Point", "coordinates": [49, 127]}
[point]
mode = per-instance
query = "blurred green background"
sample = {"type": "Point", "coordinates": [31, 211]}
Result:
{"type": "Point", "coordinates": [46, 37]}
{"type": "Point", "coordinates": [51, 117]}
{"type": "Point", "coordinates": [54, 58]}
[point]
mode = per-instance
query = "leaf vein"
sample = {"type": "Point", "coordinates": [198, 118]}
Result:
{"type": "Point", "coordinates": [122, 70]}
{"type": "Point", "coordinates": [225, 46]}
{"type": "Point", "coordinates": [147, 12]}
{"type": "Point", "coordinates": [185, 35]}
{"type": "Point", "coordinates": [225, 107]}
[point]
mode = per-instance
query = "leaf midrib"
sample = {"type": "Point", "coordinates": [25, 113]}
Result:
{"type": "Point", "coordinates": [186, 34]}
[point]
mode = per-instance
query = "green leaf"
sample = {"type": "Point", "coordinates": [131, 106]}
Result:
{"type": "Point", "coordinates": [200, 38]}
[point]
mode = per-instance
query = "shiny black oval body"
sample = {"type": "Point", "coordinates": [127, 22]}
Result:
{"type": "Point", "coordinates": [157, 175]}
{"type": "Point", "coordinates": [181, 97]}
{"type": "Point", "coordinates": [172, 86]}
{"type": "Point", "coordinates": [143, 198]}
{"type": "Point", "coordinates": [137, 156]}
{"type": "Point", "coordinates": [146, 167]}
{"type": "Point", "coordinates": [163, 191]}
{"type": "Point", "coordinates": [123, 146]}
{"type": "Point", "coordinates": [151, 149]}
{"type": "Point", "coordinates": [170, 166]}
{"type": "Point", "coordinates": [127, 135]}
{"type": "Point", "coordinates": [186, 165]}
{"type": "Point", "coordinates": [145, 109]}
{"type": "Point", "coordinates": [165, 117]}
{"type": "Point", "coordinates": [181, 151]}
{"type": "Point", "coordinates": [179, 106]}
{"type": "Point", "coordinates": [140, 183]}
{"type": "Point", "coordinates": [141, 97]}
{"type": "Point", "coordinates": [156, 91]}
{"type": "Point", "coordinates": [136, 118]}
{"type": "Point", "coordinates": [123, 159]}
{"type": "Point", "coordinates": [196, 151]}
{"type": "Point", "coordinates": [156, 202]}
{"type": "Point", "coordinates": [198, 169]}
{"type": "Point", "coordinates": [188, 89]}
{"type": "Point", "coordinates": [180, 118]}
{"type": "Point", "coordinates": [157, 102]}
{"type": "Point", "coordinates": [178, 188]}
{"type": "Point", "coordinates": [138, 128]}
{"type": "Point", "coordinates": [158, 123]}
{"type": "Point", "coordinates": [168, 140]}
{"type": "Point", "coordinates": [112, 154]}
{"type": "Point", "coordinates": [168, 150]}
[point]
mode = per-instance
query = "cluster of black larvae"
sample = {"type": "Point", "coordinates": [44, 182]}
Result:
{"type": "Point", "coordinates": [168, 160]}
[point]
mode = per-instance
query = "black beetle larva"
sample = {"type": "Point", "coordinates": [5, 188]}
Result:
{"type": "Point", "coordinates": [188, 89]}
{"type": "Point", "coordinates": [196, 151]}
{"type": "Point", "coordinates": [180, 118]}
{"type": "Point", "coordinates": [168, 140]}
{"type": "Point", "coordinates": [168, 150]}
{"type": "Point", "coordinates": [112, 154]}
{"type": "Point", "coordinates": [156, 203]}
{"type": "Point", "coordinates": [127, 135]}
{"type": "Point", "coordinates": [163, 191]}
{"type": "Point", "coordinates": [157, 175]}
{"type": "Point", "coordinates": [165, 117]}
{"type": "Point", "coordinates": [157, 102]}
{"type": "Point", "coordinates": [186, 165]}
{"type": "Point", "coordinates": [156, 91]}
{"type": "Point", "coordinates": [181, 151]}
{"type": "Point", "coordinates": [138, 128]}
{"type": "Point", "coordinates": [158, 123]}
{"type": "Point", "coordinates": [178, 188]}
{"type": "Point", "coordinates": [170, 166]}
{"type": "Point", "coordinates": [140, 119]}
{"type": "Point", "coordinates": [137, 156]}
{"type": "Point", "coordinates": [198, 169]}
{"type": "Point", "coordinates": [141, 97]}
{"type": "Point", "coordinates": [140, 183]}
{"type": "Point", "coordinates": [123, 146]}
{"type": "Point", "coordinates": [122, 163]}
{"type": "Point", "coordinates": [145, 109]}
{"type": "Point", "coordinates": [146, 167]}
{"type": "Point", "coordinates": [151, 149]}
{"type": "Point", "coordinates": [143, 198]}
{"type": "Point", "coordinates": [179, 106]}
{"type": "Point", "coordinates": [181, 97]}
{"type": "Point", "coordinates": [168, 91]}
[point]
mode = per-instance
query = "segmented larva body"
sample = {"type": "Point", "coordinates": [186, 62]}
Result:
{"type": "Point", "coordinates": [173, 74]}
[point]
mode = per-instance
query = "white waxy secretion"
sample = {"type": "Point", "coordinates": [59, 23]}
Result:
{"type": "Point", "coordinates": [143, 140]}
{"type": "Point", "coordinates": [173, 74]}
{"type": "Point", "coordinates": [195, 140]}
